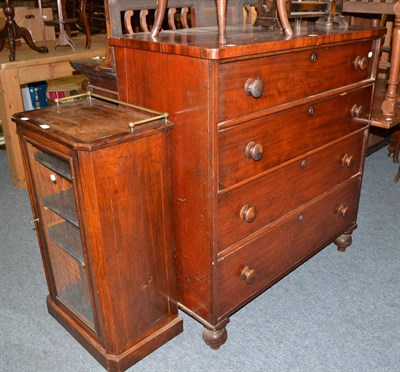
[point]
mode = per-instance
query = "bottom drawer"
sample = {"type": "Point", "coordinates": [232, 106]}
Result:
{"type": "Point", "coordinates": [283, 247]}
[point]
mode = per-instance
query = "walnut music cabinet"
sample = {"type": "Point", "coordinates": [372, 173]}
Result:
{"type": "Point", "coordinates": [267, 150]}
{"type": "Point", "coordinates": [99, 185]}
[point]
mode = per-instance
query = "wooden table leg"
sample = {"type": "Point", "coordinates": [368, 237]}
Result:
{"type": "Point", "coordinates": [390, 102]}
{"type": "Point", "coordinates": [397, 177]}
{"type": "Point", "coordinates": [12, 32]}
{"type": "Point", "coordinates": [10, 103]}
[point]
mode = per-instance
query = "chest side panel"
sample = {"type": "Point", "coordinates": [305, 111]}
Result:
{"type": "Point", "coordinates": [182, 86]}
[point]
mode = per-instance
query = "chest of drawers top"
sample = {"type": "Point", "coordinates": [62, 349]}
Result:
{"type": "Point", "coordinates": [258, 71]}
{"type": "Point", "coordinates": [242, 41]}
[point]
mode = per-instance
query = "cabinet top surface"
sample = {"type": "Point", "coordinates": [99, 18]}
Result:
{"type": "Point", "coordinates": [88, 124]}
{"type": "Point", "coordinates": [241, 40]}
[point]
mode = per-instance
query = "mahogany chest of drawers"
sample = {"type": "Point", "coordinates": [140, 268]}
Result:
{"type": "Point", "coordinates": [267, 151]}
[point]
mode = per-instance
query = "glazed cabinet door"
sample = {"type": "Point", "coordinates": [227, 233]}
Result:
{"type": "Point", "coordinates": [54, 196]}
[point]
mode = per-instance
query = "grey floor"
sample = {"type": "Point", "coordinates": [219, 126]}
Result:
{"type": "Point", "coordinates": [337, 312]}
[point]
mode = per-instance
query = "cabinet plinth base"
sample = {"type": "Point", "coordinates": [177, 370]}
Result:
{"type": "Point", "coordinates": [127, 358]}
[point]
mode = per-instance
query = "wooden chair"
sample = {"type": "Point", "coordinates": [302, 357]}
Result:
{"type": "Point", "coordinates": [151, 16]}
{"type": "Point", "coordinates": [389, 103]}
{"type": "Point", "coordinates": [185, 18]}
{"type": "Point", "coordinates": [136, 18]}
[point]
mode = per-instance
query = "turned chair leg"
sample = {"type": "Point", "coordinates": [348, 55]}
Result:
{"type": "Point", "coordinates": [394, 146]}
{"type": "Point", "coordinates": [397, 177]}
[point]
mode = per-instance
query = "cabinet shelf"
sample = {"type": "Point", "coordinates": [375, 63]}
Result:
{"type": "Point", "coordinates": [56, 164]}
{"type": "Point", "coordinates": [67, 236]}
{"type": "Point", "coordinates": [63, 203]}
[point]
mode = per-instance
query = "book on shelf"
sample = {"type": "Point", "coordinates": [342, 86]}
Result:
{"type": "Point", "coordinates": [34, 95]}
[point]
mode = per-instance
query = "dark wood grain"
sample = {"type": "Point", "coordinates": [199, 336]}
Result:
{"type": "Point", "coordinates": [70, 124]}
{"type": "Point", "coordinates": [273, 196]}
{"type": "Point", "coordinates": [305, 231]}
{"type": "Point", "coordinates": [116, 294]}
{"type": "Point", "coordinates": [203, 42]}
{"type": "Point", "coordinates": [287, 135]}
{"type": "Point", "coordinates": [301, 71]}
{"type": "Point", "coordinates": [201, 84]}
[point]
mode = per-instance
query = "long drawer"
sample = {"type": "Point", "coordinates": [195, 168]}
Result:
{"type": "Point", "coordinates": [251, 148]}
{"type": "Point", "coordinates": [257, 265]}
{"type": "Point", "coordinates": [253, 85]}
{"type": "Point", "coordinates": [246, 209]}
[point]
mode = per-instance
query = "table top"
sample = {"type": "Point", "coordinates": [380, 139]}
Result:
{"type": "Point", "coordinates": [26, 57]}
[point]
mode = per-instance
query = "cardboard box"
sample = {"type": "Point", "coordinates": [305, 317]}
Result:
{"type": "Point", "coordinates": [30, 19]}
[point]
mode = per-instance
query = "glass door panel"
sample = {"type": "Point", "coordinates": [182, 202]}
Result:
{"type": "Point", "coordinates": [53, 182]}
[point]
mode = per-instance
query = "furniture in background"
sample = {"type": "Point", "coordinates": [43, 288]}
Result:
{"type": "Point", "coordinates": [250, 117]}
{"type": "Point", "coordinates": [204, 10]}
{"type": "Point", "coordinates": [140, 16]}
{"type": "Point", "coordinates": [385, 117]}
{"type": "Point", "coordinates": [390, 103]}
{"type": "Point", "coordinates": [397, 177]}
{"type": "Point", "coordinates": [63, 23]}
{"type": "Point", "coordinates": [73, 9]}
{"type": "Point", "coordinates": [30, 68]}
{"type": "Point", "coordinates": [102, 79]}
{"type": "Point", "coordinates": [11, 32]}
{"type": "Point", "coordinates": [99, 183]}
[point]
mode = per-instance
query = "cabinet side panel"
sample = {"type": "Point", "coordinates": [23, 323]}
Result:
{"type": "Point", "coordinates": [180, 85]}
{"type": "Point", "coordinates": [133, 259]}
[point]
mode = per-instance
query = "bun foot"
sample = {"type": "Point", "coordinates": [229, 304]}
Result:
{"type": "Point", "coordinates": [215, 338]}
{"type": "Point", "coordinates": [344, 240]}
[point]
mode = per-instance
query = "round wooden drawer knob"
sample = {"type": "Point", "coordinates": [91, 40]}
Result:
{"type": "Point", "coordinates": [254, 87]}
{"type": "Point", "coordinates": [249, 275]}
{"type": "Point", "coordinates": [361, 63]}
{"type": "Point", "coordinates": [248, 213]}
{"type": "Point", "coordinates": [342, 211]}
{"type": "Point", "coordinates": [254, 151]}
{"type": "Point", "coordinates": [347, 161]}
{"type": "Point", "coordinates": [357, 111]}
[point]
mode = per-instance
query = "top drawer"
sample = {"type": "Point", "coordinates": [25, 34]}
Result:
{"type": "Point", "coordinates": [288, 77]}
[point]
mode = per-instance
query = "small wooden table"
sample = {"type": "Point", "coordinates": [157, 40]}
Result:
{"type": "Point", "coordinates": [29, 68]}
